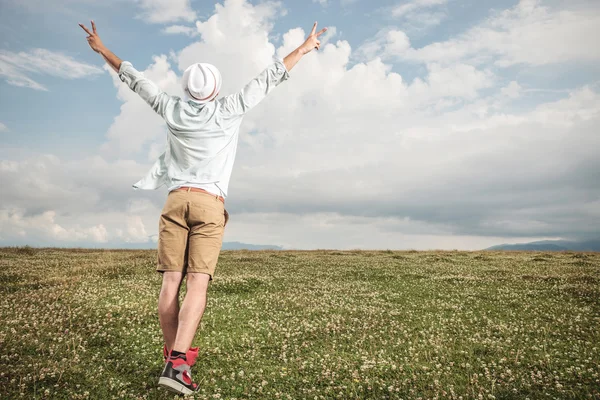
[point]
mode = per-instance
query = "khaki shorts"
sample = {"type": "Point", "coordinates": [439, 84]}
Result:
{"type": "Point", "coordinates": [191, 231]}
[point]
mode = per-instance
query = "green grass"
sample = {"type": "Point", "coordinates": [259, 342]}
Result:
{"type": "Point", "coordinates": [79, 324]}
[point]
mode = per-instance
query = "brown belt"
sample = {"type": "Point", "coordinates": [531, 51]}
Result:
{"type": "Point", "coordinates": [193, 189]}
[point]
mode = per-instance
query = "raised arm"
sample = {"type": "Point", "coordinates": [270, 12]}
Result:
{"type": "Point", "coordinates": [258, 88]}
{"type": "Point", "coordinates": [311, 42]}
{"type": "Point", "coordinates": [148, 90]}
{"type": "Point", "coordinates": [97, 45]}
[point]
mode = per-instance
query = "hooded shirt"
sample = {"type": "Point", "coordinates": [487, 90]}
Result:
{"type": "Point", "coordinates": [201, 137]}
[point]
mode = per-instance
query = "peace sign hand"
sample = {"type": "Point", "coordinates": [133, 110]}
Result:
{"type": "Point", "coordinates": [312, 42]}
{"type": "Point", "coordinates": [93, 38]}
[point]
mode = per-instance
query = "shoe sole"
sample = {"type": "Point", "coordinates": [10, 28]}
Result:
{"type": "Point", "coordinates": [174, 386]}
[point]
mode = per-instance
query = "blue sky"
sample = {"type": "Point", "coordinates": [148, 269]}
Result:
{"type": "Point", "coordinates": [421, 124]}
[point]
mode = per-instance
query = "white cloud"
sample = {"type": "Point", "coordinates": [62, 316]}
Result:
{"type": "Point", "coordinates": [529, 34]}
{"type": "Point", "coordinates": [44, 61]}
{"type": "Point", "coordinates": [43, 226]}
{"type": "Point", "coordinates": [236, 31]}
{"type": "Point", "coordinates": [181, 29]}
{"type": "Point", "coordinates": [387, 43]}
{"type": "Point", "coordinates": [458, 80]}
{"type": "Point", "coordinates": [403, 9]}
{"type": "Point", "coordinates": [78, 201]}
{"type": "Point", "coordinates": [51, 228]}
{"type": "Point", "coordinates": [163, 11]}
{"type": "Point", "coordinates": [136, 231]}
{"type": "Point", "coordinates": [418, 16]}
{"type": "Point", "coordinates": [152, 11]}
{"type": "Point", "coordinates": [17, 78]}
{"type": "Point", "coordinates": [513, 90]}
{"type": "Point", "coordinates": [15, 67]}
{"type": "Point", "coordinates": [3, 128]}
{"type": "Point", "coordinates": [77, 186]}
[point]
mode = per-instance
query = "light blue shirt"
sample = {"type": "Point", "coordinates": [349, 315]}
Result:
{"type": "Point", "coordinates": [201, 138]}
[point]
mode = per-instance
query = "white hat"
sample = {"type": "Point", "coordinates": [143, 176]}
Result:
{"type": "Point", "coordinates": [202, 82]}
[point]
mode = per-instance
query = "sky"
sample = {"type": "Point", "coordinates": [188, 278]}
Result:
{"type": "Point", "coordinates": [419, 124]}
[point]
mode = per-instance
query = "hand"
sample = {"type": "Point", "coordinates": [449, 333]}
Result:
{"type": "Point", "coordinates": [312, 42]}
{"type": "Point", "coordinates": [93, 38]}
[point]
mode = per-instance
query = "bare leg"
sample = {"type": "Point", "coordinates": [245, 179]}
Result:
{"type": "Point", "coordinates": [191, 310]}
{"type": "Point", "coordinates": [168, 306]}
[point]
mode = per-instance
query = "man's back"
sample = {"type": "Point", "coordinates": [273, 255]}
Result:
{"type": "Point", "coordinates": [202, 138]}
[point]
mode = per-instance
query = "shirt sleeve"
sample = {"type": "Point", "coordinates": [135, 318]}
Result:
{"type": "Point", "coordinates": [148, 90]}
{"type": "Point", "coordinates": [257, 89]}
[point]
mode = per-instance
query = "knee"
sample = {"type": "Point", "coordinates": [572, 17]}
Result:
{"type": "Point", "coordinates": [169, 292]}
{"type": "Point", "coordinates": [197, 281]}
{"type": "Point", "coordinates": [171, 282]}
{"type": "Point", "coordinates": [172, 279]}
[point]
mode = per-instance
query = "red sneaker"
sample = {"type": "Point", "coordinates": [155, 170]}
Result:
{"type": "Point", "coordinates": [191, 355]}
{"type": "Point", "coordinates": [176, 376]}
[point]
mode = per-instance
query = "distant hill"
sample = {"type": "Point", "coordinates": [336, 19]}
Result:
{"type": "Point", "coordinates": [551, 245]}
{"type": "Point", "coordinates": [246, 246]}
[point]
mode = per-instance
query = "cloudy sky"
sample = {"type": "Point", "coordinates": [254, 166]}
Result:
{"type": "Point", "coordinates": [449, 124]}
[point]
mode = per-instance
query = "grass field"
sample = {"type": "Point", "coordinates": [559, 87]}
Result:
{"type": "Point", "coordinates": [79, 324]}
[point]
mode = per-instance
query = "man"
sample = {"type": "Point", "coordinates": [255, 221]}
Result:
{"type": "Point", "coordinates": [202, 139]}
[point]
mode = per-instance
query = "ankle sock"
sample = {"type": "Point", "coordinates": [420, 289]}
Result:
{"type": "Point", "coordinates": [177, 354]}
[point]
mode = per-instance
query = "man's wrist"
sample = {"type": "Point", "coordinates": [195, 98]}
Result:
{"type": "Point", "coordinates": [301, 50]}
{"type": "Point", "coordinates": [103, 51]}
